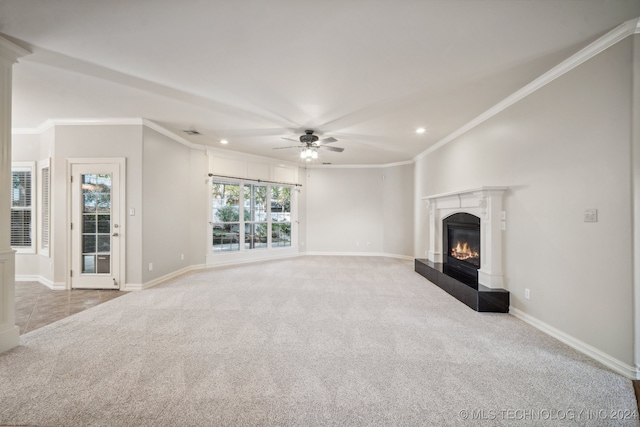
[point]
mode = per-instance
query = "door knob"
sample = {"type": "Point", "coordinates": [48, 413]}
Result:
{"type": "Point", "coordinates": [115, 234]}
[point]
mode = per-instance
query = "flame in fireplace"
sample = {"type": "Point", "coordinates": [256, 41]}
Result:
{"type": "Point", "coordinates": [463, 251]}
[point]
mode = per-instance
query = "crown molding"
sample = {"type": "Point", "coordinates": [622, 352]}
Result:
{"type": "Point", "coordinates": [376, 166]}
{"type": "Point", "coordinates": [50, 123]}
{"type": "Point", "coordinates": [135, 121]}
{"type": "Point", "coordinates": [611, 38]}
{"type": "Point", "coordinates": [10, 52]}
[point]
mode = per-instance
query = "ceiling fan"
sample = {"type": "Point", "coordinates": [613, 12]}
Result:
{"type": "Point", "coordinates": [311, 144]}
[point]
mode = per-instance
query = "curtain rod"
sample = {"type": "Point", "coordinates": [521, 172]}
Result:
{"type": "Point", "coordinates": [254, 180]}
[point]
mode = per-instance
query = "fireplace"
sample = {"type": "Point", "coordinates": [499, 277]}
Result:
{"type": "Point", "coordinates": [461, 241]}
{"type": "Point", "coordinates": [485, 206]}
{"type": "Point", "coordinates": [465, 247]}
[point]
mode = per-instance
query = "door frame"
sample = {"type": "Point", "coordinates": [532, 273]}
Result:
{"type": "Point", "coordinates": [122, 171]}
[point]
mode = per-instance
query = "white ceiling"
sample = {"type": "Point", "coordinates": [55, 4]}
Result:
{"type": "Point", "coordinates": [367, 72]}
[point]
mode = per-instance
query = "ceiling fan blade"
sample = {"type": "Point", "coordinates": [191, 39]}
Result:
{"type": "Point", "coordinates": [328, 140]}
{"type": "Point", "coordinates": [280, 148]}
{"type": "Point", "coordinates": [290, 139]}
{"type": "Point", "coordinates": [330, 148]}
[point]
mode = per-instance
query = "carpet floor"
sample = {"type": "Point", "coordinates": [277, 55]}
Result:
{"type": "Point", "coordinates": [310, 341]}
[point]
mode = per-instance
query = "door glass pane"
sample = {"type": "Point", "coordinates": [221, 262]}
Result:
{"type": "Point", "coordinates": [88, 223]}
{"type": "Point", "coordinates": [104, 244]}
{"type": "Point", "coordinates": [104, 223]}
{"type": "Point", "coordinates": [89, 243]}
{"type": "Point", "coordinates": [88, 264]}
{"type": "Point", "coordinates": [96, 229]}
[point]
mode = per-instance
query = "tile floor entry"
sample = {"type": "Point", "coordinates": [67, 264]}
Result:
{"type": "Point", "coordinates": [38, 306]}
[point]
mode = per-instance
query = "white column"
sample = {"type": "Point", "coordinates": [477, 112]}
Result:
{"type": "Point", "coordinates": [9, 332]}
{"type": "Point", "coordinates": [490, 272]}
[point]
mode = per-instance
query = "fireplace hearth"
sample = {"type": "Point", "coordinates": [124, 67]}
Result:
{"type": "Point", "coordinates": [465, 247]}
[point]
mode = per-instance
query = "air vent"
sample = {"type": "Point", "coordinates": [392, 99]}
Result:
{"type": "Point", "coordinates": [191, 132]}
{"type": "Point", "coordinates": [326, 163]}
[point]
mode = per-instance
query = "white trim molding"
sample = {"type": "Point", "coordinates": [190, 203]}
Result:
{"type": "Point", "coordinates": [11, 52]}
{"type": "Point", "coordinates": [611, 38]}
{"type": "Point", "coordinates": [584, 348]}
{"type": "Point", "coordinates": [127, 287]}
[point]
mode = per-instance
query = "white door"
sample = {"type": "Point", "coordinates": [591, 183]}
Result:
{"type": "Point", "coordinates": [95, 226]}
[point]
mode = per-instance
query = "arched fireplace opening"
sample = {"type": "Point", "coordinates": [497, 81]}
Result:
{"type": "Point", "coordinates": [461, 244]}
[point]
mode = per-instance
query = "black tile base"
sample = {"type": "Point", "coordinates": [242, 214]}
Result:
{"type": "Point", "coordinates": [468, 291]}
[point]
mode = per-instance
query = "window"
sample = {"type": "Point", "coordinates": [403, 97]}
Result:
{"type": "Point", "coordinates": [22, 215]}
{"type": "Point", "coordinates": [255, 213]}
{"type": "Point", "coordinates": [281, 216]}
{"type": "Point", "coordinates": [44, 204]}
{"type": "Point", "coordinates": [266, 216]}
{"type": "Point", "coordinates": [226, 217]}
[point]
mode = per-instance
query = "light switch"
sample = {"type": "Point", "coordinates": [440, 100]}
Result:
{"type": "Point", "coordinates": [591, 215]}
{"type": "Point", "coordinates": [132, 212]}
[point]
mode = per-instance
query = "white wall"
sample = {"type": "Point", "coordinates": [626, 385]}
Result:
{"type": "Point", "coordinates": [166, 206]}
{"type": "Point", "coordinates": [359, 210]}
{"type": "Point", "coordinates": [166, 186]}
{"type": "Point", "coordinates": [92, 141]}
{"type": "Point", "coordinates": [199, 206]}
{"type": "Point", "coordinates": [397, 210]}
{"type": "Point", "coordinates": [561, 150]}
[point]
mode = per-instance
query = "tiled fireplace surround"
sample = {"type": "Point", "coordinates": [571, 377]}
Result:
{"type": "Point", "coordinates": [485, 203]}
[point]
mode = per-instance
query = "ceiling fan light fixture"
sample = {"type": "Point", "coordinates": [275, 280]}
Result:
{"type": "Point", "coordinates": [308, 154]}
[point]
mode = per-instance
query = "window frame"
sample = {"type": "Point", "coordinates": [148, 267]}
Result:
{"type": "Point", "coordinates": [243, 246]}
{"type": "Point", "coordinates": [31, 168]}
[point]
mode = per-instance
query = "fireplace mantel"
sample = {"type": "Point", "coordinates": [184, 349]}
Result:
{"type": "Point", "coordinates": [483, 202]}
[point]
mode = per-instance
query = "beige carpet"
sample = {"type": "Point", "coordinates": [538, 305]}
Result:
{"type": "Point", "coordinates": [311, 341]}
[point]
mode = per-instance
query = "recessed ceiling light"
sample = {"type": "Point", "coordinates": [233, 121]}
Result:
{"type": "Point", "coordinates": [421, 130]}
{"type": "Point", "coordinates": [224, 141]}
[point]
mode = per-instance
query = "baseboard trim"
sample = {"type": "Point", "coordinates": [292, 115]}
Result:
{"type": "Point", "coordinates": [584, 348]}
{"type": "Point", "coordinates": [360, 254]}
{"type": "Point", "coordinates": [60, 286]}
{"type": "Point", "coordinates": [142, 286]}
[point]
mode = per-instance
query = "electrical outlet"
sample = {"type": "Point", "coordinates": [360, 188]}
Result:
{"type": "Point", "coordinates": [527, 293]}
